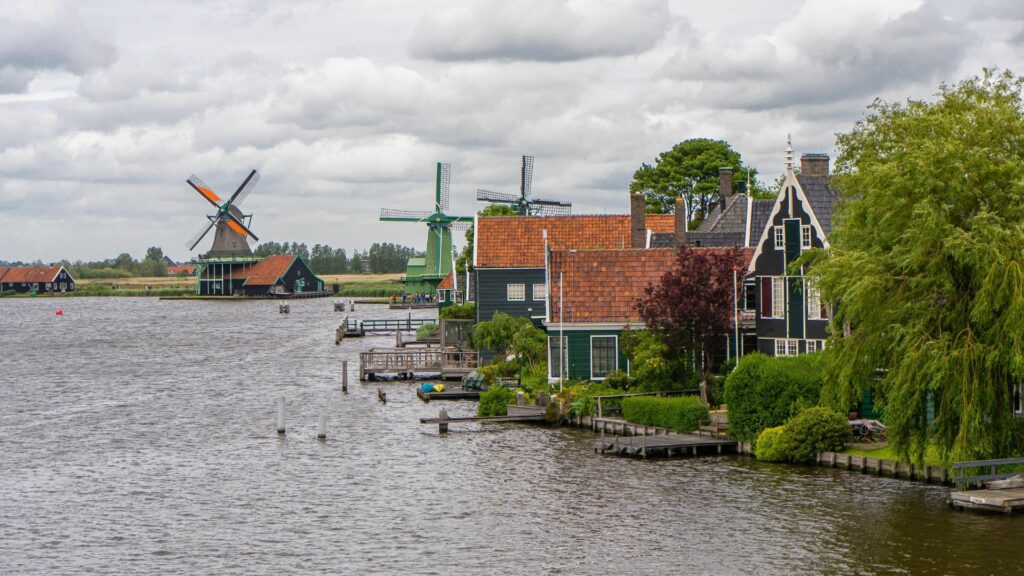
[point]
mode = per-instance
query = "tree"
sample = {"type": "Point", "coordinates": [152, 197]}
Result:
{"type": "Point", "coordinates": [154, 253]}
{"type": "Point", "coordinates": [691, 307]}
{"type": "Point", "coordinates": [690, 170]}
{"type": "Point", "coordinates": [926, 266]}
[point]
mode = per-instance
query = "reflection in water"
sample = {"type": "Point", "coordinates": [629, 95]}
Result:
{"type": "Point", "coordinates": [138, 436]}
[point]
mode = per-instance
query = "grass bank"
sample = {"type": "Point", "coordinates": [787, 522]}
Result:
{"type": "Point", "coordinates": [883, 451]}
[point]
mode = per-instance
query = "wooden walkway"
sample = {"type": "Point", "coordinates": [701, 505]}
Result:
{"type": "Point", "coordinates": [1009, 499]}
{"type": "Point", "coordinates": [378, 327]}
{"type": "Point", "coordinates": [448, 394]}
{"type": "Point", "coordinates": [406, 362]}
{"type": "Point", "coordinates": [1002, 500]}
{"type": "Point", "coordinates": [665, 445]}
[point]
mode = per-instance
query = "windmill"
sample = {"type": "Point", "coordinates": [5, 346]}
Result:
{"type": "Point", "coordinates": [524, 204]}
{"type": "Point", "coordinates": [233, 236]}
{"type": "Point", "coordinates": [423, 275]}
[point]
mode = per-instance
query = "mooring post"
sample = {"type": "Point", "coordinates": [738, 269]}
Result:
{"type": "Point", "coordinates": [344, 375]}
{"type": "Point", "coordinates": [381, 396]}
{"type": "Point", "coordinates": [280, 416]}
{"type": "Point", "coordinates": [442, 426]}
{"type": "Point", "coordinates": [520, 398]}
{"type": "Point", "coordinates": [322, 429]}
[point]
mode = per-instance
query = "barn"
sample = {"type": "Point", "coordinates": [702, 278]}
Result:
{"type": "Point", "coordinates": [282, 275]}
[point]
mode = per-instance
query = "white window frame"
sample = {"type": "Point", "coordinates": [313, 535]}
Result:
{"type": "Point", "coordinates": [813, 346]}
{"type": "Point", "coordinates": [805, 236]}
{"type": "Point", "coordinates": [615, 357]}
{"type": "Point", "coordinates": [520, 292]}
{"type": "Point", "coordinates": [539, 290]}
{"type": "Point", "coordinates": [787, 347]}
{"type": "Point", "coordinates": [780, 237]}
{"type": "Point", "coordinates": [778, 297]}
{"type": "Point", "coordinates": [813, 303]}
{"type": "Point", "coordinates": [552, 364]}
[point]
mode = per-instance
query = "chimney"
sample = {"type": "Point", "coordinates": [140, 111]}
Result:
{"type": "Point", "coordinates": [814, 164]}
{"type": "Point", "coordinates": [680, 221]}
{"type": "Point", "coordinates": [725, 182]}
{"type": "Point", "coordinates": [637, 220]}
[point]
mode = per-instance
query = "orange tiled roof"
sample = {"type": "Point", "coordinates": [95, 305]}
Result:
{"type": "Point", "coordinates": [3, 271]}
{"type": "Point", "coordinates": [517, 241]}
{"type": "Point", "coordinates": [447, 283]}
{"type": "Point", "coordinates": [31, 274]}
{"type": "Point", "coordinates": [605, 285]}
{"type": "Point", "coordinates": [181, 269]}
{"type": "Point", "coordinates": [267, 271]}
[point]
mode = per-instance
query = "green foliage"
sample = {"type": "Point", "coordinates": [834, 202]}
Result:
{"type": "Point", "coordinates": [682, 414]}
{"type": "Point", "coordinates": [652, 365]}
{"type": "Point", "coordinates": [770, 446]}
{"type": "Point", "coordinates": [579, 396]}
{"type": "Point", "coordinates": [765, 391]}
{"type": "Point", "coordinates": [427, 331]}
{"type": "Point", "coordinates": [512, 336]}
{"type": "Point", "coordinates": [369, 289]}
{"type": "Point", "coordinates": [927, 261]}
{"type": "Point", "coordinates": [465, 311]}
{"type": "Point", "coordinates": [619, 380]}
{"type": "Point", "coordinates": [814, 430]}
{"type": "Point", "coordinates": [494, 401]}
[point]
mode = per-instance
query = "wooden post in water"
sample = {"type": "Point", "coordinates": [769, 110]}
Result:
{"type": "Point", "coordinates": [280, 416]}
{"type": "Point", "coordinates": [442, 427]}
{"type": "Point", "coordinates": [344, 375]}
{"type": "Point", "coordinates": [382, 396]}
{"type": "Point", "coordinates": [322, 429]}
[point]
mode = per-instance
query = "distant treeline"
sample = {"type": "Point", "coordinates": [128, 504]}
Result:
{"type": "Point", "coordinates": [123, 266]}
{"type": "Point", "coordinates": [379, 259]}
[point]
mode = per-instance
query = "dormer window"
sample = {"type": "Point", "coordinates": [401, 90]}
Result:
{"type": "Point", "coordinates": [780, 238]}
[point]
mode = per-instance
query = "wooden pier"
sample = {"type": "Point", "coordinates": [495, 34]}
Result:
{"type": "Point", "coordinates": [411, 306]}
{"type": "Point", "coordinates": [408, 362]}
{"type": "Point", "coordinates": [515, 414]}
{"type": "Point", "coordinates": [995, 498]}
{"type": "Point", "coordinates": [665, 445]}
{"type": "Point", "coordinates": [378, 327]}
{"type": "Point", "coordinates": [448, 394]}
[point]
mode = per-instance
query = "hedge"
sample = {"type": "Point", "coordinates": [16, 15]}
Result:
{"type": "Point", "coordinates": [495, 401]}
{"type": "Point", "coordinates": [764, 391]}
{"type": "Point", "coordinates": [682, 414]}
{"type": "Point", "coordinates": [770, 447]}
{"type": "Point", "coordinates": [811, 431]}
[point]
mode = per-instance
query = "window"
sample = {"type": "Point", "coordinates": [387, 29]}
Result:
{"type": "Point", "coordinates": [813, 304]}
{"type": "Point", "coordinates": [787, 347]}
{"type": "Point", "coordinates": [779, 297]}
{"type": "Point", "coordinates": [554, 366]}
{"type": "Point", "coordinates": [538, 292]}
{"type": "Point", "coordinates": [749, 295]}
{"type": "Point", "coordinates": [815, 345]}
{"type": "Point", "coordinates": [604, 355]}
{"type": "Point", "coordinates": [805, 237]}
{"type": "Point", "coordinates": [1018, 399]}
{"type": "Point", "coordinates": [516, 292]}
{"type": "Point", "coordinates": [780, 238]}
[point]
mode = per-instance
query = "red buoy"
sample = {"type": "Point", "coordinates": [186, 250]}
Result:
{"type": "Point", "coordinates": [60, 312]}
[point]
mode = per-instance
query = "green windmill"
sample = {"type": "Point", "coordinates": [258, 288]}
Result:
{"type": "Point", "coordinates": [423, 274]}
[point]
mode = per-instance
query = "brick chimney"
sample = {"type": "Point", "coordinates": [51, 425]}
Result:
{"type": "Point", "coordinates": [814, 164]}
{"type": "Point", "coordinates": [725, 182]}
{"type": "Point", "coordinates": [680, 222]}
{"type": "Point", "coordinates": [637, 221]}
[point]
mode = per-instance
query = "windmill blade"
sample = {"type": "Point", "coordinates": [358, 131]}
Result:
{"type": "Point", "coordinates": [198, 236]}
{"type": "Point", "coordinates": [551, 210]}
{"type": "Point", "coordinates": [541, 202]}
{"type": "Point", "coordinates": [444, 183]}
{"type": "Point", "coordinates": [243, 191]}
{"type": "Point", "coordinates": [236, 224]}
{"type": "Point", "coordinates": [461, 226]}
{"type": "Point", "coordinates": [526, 179]}
{"type": "Point", "coordinates": [404, 215]}
{"type": "Point", "coordinates": [488, 196]}
{"type": "Point", "coordinates": [204, 190]}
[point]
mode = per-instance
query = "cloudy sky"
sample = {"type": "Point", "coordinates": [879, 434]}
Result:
{"type": "Point", "coordinates": [344, 107]}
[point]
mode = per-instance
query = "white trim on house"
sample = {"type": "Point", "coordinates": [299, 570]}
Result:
{"type": "Point", "coordinates": [543, 291]}
{"type": "Point", "coordinates": [786, 346]}
{"type": "Point", "coordinates": [565, 352]}
{"type": "Point", "coordinates": [750, 209]}
{"type": "Point", "coordinates": [615, 356]}
{"type": "Point", "coordinates": [517, 286]}
{"type": "Point", "coordinates": [790, 181]}
{"type": "Point", "coordinates": [582, 326]}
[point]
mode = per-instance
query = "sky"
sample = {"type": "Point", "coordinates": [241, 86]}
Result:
{"type": "Point", "coordinates": [344, 107]}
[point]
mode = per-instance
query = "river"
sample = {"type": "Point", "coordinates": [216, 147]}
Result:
{"type": "Point", "coordinates": [137, 436]}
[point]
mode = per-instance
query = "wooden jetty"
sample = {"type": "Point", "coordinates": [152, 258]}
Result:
{"type": "Point", "coordinates": [666, 445]}
{"type": "Point", "coordinates": [515, 414]}
{"type": "Point", "coordinates": [411, 306]}
{"type": "Point", "coordinates": [994, 499]}
{"type": "Point", "coordinates": [448, 394]}
{"type": "Point", "coordinates": [407, 362]}
{"type": "Point", "coordinates": [378, 327]}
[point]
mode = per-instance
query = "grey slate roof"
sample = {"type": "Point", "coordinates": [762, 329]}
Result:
{"type": "Point", "coordinates": [732, 219]}
{"type": "Point", "coordinates": [700, 239]}
{"type": "Point", "coordinates": [724, 228]}
{"type": "Point", "coordinates": [761, 212]}
{"type": "Point", "coordinates": [821, 198]}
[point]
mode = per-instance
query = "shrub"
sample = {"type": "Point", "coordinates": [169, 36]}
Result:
{"type": "Point", "coordinates": [763, 391]}
{"type": "Point", "coordinates": [427, 331]}
{"type": "Point", "coordinates": [579, 396]}
{"type": "Point", "coordinates": [654, 366]}
{"type": "Point", "coordinates": [682, 414]}
{"type": "Point", "coordinates": [619, 380]}
{"type": "Point", "coordinates": [812, 431]}
{"type": "Point", "coordinates": [770, 447]}
{"type": "Point", "coordinates": [494, 401]}
{"type": "Point", "coordinates": [465, 311]}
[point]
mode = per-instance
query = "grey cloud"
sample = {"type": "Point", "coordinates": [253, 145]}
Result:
{"type": "Point", "coordinates": [804, 64]}
{"type": "Point", "coordinates": [541, 30]}
{"type": "Point", "coordinates": [58, 44]}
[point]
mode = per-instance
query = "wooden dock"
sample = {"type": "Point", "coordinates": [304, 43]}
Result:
{"type": "Point", "coordinates": [1006, 500]}
{"type": "Point", "coordinates": [408, 362]}
{"type": "Point", "coordinates": [378, 327]}
{"type": "Point", "coordinates": [448, 394]}
{"type": "Point", "coordinates": [665, 445]}
{"type": "Point", "coordinates": [411, 306]}
{"type": "Point", "coordinates": [995, 499]}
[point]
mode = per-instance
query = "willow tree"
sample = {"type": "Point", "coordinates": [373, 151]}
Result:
{"type": "Point", "coordinates": [926, 267]}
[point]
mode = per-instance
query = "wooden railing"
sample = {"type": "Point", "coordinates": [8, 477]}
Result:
{"type": "Point", "coordinates": [960, 470]}
{"type": "Point", "coordinates": [392, 325]}
{"type": "Point", "coordinates": [407, 359]}
{"type": "Point", "coordinates": [618, 408]}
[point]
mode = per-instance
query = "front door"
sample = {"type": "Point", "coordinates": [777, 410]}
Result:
{"type": "Point", "coordinates": [299, 284]}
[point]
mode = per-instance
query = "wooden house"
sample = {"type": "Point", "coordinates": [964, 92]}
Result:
{"type": "Point", "coordinates": [509, 253]}
{"type": "Point", "coordinates": [791, 318]}
{"type": "Point", "coordinates": [446, 292]}
{"type": "Point", "coordinates": [274, 276]}
{"type": "Point", "coordinates": [181, 270]}
{"type": "Point", "coordinates": [594, 297]}
{"type": "Point", "coordinates": [36, 279]}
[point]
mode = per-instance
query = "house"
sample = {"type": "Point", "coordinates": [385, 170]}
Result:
{"type": "Point", "coordinates": [791, 318]}
{"type": "Point", "coordinates": [594, 297]}
{"type": "Point", "coordinates": [447, 294]}
{"type": "Point", "coordinates": [509, 253]}
{"type": "Point", "coordinates": [181, 270]}
{"type": "Point", "coordinates": [273, 276]}
{"type": "Point", "coordinates": [36, 279]}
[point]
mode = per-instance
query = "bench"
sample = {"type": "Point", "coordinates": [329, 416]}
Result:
{"type": "Point", "coordinates": [716, 426]}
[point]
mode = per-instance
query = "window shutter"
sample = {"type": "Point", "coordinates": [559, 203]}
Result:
{"type": "Point", "coordinates": [766, 297]}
